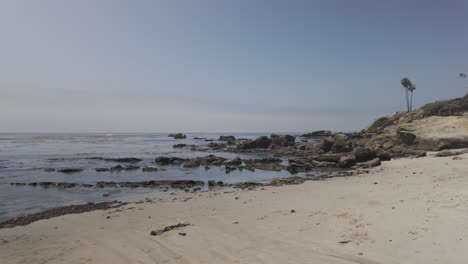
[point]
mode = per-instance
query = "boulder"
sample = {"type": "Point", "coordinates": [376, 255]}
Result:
{"type": "Point", "coordinates": [330, 157]}
{"type": "Point", "coordinates": [373, 163]}
{"type": "Point", "coordinates": [229, 139]}
{"type": "Point", "coordinates": [384, 156]}
{"type": "Point", "coordinates": [365, 154]}
{"type": "Point", "coordinates": [259, 143]}
{"type": "Point", "coordinates": [179, 146]}
{"type": "Point", "coordinates": [326, 144]}
{"type": "Point", "coordinates": [341, 144]}
{"type": "Point", "coordinates": [406, 137]}
{"type": "Point", "coordinates": [282, 140]}
{"type": "Point", "coordinates": [347, 161]}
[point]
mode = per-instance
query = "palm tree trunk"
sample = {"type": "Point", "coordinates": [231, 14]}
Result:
{"type": "Point", "coordinates": [407, 100]}
{"type": "Point", "coordinates": [411, 101]}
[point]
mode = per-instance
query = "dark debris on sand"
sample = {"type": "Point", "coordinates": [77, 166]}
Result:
{"type": "Point", "coordinates": [72, 209]}
{"type": "Point", "coordinates": [169, 228]}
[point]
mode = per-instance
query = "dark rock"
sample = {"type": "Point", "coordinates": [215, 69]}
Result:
{"type": "Point", "coordinates": [207, 160]}
{"type": "Point", "coordinates": [452, 143]}
{"type": "Point", "coordinates": [406, 137]}
{"type": "Point", "coordinates": [125, 160]}
{"type": "Point", "coordinates": [169, 160]}
{"type": "Point", "coordinates": [228, 168]}
{"type": "Point", "coordinates": [282, 140]}
{"type": "Point", "coordinates": [179, 146]}
{"type": "Point", "coordinates": [365, 154]}
{"type": "Point", "coordinates": [295, 168]}
{"type": "Point", "coordinates": [287, 181]}
{"type": "Point", "coordinates": [248, 185]}
{"type": "Point", "coordinates": [121, 168]}
{"type": "Point", "coordinates": [121, 160]}
{"type": "Point", "coordinates": [318, 133]}
{"type": "Point", "coordinates": [373, 163]}
{"type": "Point", "coordinates": [215, 145]}
{"type": "Point", "coordinates": [330, 157]}
{"type": "Point", "coordinates": [234, 162]}
{"type": "Point", "coordinates": [49, 169]}
{"type": "Point", "coordinates": [102, 169]}
{"type": "Point", "coordinates": [268, 167]}
{"type": "Point", "coordinates": [270, 164]}
{"type": "Point", "coordinates": [168, 228]}
{"type": "Point", "coordinates": [67, 185]}
{"type": "Point", "coordinates": [346, 161]}
{"type": "Point", "coordinates": [341, 144]}
{"type": "Point", "coordinates": [70, 170]}
{"type": "Point", "coordinates": [181, 184]}
{"type": "Point", "coordinates": [178, 136]}
{"type": "Point", "coordinates": [72, 209]}
{"type": "Point", "coordinates": [259, 143]}
{"type": "Point", "coordinates": [447, 153]}
{"type": "Point", "coordinates": [229, 139]}
{"type": "Point", "coordinates": [211, 183]}
{"type": "Point", "coordinates": [384, 156]}
{"type": "Point", "coordinates": [326, 144]}
{"type": "Point", "coordinates": [150, 169]}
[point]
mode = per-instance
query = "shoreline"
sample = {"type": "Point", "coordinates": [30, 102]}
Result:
{"type": "Point", "coordinates": [405, 211]}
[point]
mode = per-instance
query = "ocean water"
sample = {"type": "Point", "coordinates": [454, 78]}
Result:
{"type": "Point", "coordinates": [25, 158]}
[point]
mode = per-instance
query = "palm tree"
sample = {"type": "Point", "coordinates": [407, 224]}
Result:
{"type": "Point", "coordinates": [409, 89]}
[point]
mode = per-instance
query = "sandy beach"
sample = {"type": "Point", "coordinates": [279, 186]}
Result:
{"type": "Point", "coordinates": [405, 211]}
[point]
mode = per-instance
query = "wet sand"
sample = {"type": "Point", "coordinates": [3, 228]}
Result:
{"type": "Point", "coordinates": [405, 211]}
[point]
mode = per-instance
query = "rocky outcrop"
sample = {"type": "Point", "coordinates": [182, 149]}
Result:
{"type": "Point", "coordinates": [218, 146]}
{"type": "Point", "coordinates": [229, 139]}
{"type": "Point", "coordinates": [346, 161]}
{"type": "Point", "coordinates": [282, 140]}
{"type": "Point", "coordinates": [365, 154]}
{"type": "Point", "coordinates": [326, 144]}
{"type": "Point", "coordinates": [318, 133]}
{"type": "Point", "coordinates": [169, 160]}
{"type": "Point", "coordinates": [177, 136]}
{"type": "Point", "coordinates": [204, 161]}
{"type": "Point", "coordinates": [341, 144]}
{"type": "Point", "coordinates": [406, 137]}
{"type": "Point", "coordinates": [259, 143]}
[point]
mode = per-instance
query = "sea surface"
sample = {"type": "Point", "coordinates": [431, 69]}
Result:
{"type": "Point", "coordinates": [26, 158]}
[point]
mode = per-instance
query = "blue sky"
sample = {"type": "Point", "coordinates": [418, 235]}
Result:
{"type": "Point", "coordinates": [223, 66]}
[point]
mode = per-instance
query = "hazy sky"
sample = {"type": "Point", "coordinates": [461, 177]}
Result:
{"type": "Point", "coordinates": [239, 65]}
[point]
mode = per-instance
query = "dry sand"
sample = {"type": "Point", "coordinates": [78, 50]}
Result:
{"type": "Point", "coordinates": [406, 211]}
